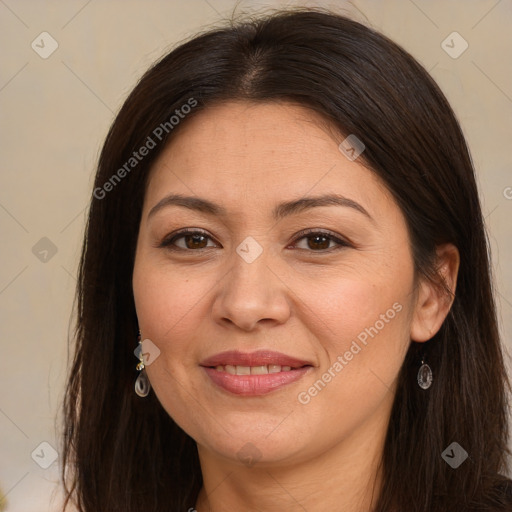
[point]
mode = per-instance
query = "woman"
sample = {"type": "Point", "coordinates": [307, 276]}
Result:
{"type": "Point", "coordinates": [285, 216]}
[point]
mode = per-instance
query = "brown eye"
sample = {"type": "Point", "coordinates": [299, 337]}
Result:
{"type": "Point", "coordinates": [188, 240]}
{"type": "Point", "coordinates": [195, 241]}
{"type": "Point", "coordinates": [318, 241]}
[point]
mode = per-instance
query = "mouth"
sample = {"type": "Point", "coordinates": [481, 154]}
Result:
{"type": "Point", "coordinates": [259, 358]}
{"type": "Point", "coordinates": [253, 370]}
{"type": "Point", "coordinates": [255, 373]}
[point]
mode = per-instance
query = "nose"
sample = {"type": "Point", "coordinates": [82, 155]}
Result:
{"type": "Point", "coordinates": [251, 294]}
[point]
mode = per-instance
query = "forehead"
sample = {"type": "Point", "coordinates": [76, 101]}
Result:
{"type": "Point", "coordinates": [260, 152]}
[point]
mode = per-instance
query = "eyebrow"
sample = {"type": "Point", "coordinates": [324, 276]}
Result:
{"type": "Point", "coordinates": [281, 211]}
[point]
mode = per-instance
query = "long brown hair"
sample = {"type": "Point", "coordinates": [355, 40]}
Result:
{"type": "Point", "coordinates": [125, 454]}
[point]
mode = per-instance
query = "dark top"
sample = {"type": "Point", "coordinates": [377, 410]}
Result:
{"type": "Point", "coordinates": [500, 501]}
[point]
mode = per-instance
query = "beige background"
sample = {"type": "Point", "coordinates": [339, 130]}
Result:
{"type": "Point", "coordinates": [56, 112]}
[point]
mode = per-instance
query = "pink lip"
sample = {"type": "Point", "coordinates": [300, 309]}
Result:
{"type": "Point", "coordinates": [258, 358]}
{"type": "Point", "coordinates": [254, 385]}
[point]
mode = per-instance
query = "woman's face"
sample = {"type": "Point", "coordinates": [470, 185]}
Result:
{"type": "Point", "coordinates": [283, 318]}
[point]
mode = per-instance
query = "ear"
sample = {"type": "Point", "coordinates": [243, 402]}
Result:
{"type": "Point", "coordinates": [434, 299]}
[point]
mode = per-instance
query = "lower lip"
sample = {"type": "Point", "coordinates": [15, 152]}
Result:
{"type": "Point", "coordinates": [254, 385]}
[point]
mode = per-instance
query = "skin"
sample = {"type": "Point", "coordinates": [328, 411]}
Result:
{"type": "Point", "coordinates": [306, 297]}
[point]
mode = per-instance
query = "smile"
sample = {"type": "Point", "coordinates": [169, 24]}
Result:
{"type": "Point", "coordinates": [253, 374]}
{"type": "Point", "coordinates": [253, 370]}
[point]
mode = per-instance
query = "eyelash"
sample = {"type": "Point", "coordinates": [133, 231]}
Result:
{"type": "Point", "coordinates": [167, 243]}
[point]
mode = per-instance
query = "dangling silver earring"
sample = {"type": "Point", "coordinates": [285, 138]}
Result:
{"type": "Point", "coordinates": [142, 384]}
{"type": "Point", "coordinates": [424, 375]}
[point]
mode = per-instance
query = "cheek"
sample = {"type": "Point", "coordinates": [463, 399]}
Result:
{"type": "Point", "coordinates": [170, 306]}
{"type": "Point", "coordinates": [155, 293]}
{"type": "Point", "coordinates": [364, 336]}
{"type": "Point", "coordinates": [355, 306]}
{"type": "Point", "coordinates": [363, 327]}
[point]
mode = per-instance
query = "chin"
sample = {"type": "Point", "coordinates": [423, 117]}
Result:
{"type": "Point", "coordinates": [257, 452]}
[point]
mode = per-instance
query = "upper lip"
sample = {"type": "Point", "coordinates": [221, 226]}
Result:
{"type": "Point", "coordinates": [257, 358]}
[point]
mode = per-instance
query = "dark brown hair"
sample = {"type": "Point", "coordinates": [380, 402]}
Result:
{"type": "Point", "coordinates": [125, 454]}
